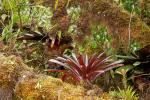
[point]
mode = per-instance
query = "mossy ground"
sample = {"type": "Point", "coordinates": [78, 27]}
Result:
{"type": "Point", "coordinates": [23, 83]}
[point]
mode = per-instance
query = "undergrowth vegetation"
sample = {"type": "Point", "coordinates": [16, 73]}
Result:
{"type": "Point", "coordinates": [64, 38]}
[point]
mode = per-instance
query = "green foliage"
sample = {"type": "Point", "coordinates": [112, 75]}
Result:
{"type": "Point", "coordinates": [10, 4]}
{"type": "Point", "coordinates": [133, 67]}
{"type": "Point", "coordinates": [18, 18]}
{"type": "Point", "coordinates": [74, 13]}
{"type": "Point", "coordinates": [134, 46]}
{"type": "Point", "coordinates": [100, 34]}
{"type": "Point", "coordinates": [89, 45]}
{"type": "Point", "coordinates": [21, 13]}
{"type": "Point", "coordinates": [127, 68]}
{"type": "Point", "coordinates": [101, 38]}
{"type": "Point", "coordinates": [41, 15]}
{"type": "Point", "coordinates": [97, 41]}
{"type": "Point", "coordinates": [126, 94]}
{"type": "Point", "coordinates": [145, 10]}
{"type": "Point", "coordinates": [130, 5]}
{"type": "Point", "coordinates": [123, 71]}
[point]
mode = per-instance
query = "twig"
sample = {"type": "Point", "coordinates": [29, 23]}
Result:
{"type": "Point", "coordinates": [129, 28]}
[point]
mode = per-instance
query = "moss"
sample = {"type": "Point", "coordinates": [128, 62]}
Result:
{"type": "Point", "coordinates": [47, 88]}
{"type": "Point", "coordinates": [15, 75]}
{"type": "Point", "coordinates": [11, 68]}
{"type": "Point", "coordinates": [117, 21]}
{"type": "Point", "coordinates": [103, 12]}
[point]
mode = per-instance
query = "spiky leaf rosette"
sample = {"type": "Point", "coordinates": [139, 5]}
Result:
{"type": "Point", "coordinates": [84, 68]}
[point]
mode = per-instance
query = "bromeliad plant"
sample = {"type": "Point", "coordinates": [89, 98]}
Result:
{"type": "Point", "coordinates": [84, 69]}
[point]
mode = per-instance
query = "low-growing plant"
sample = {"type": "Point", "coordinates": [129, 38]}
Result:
{"type": "Point", "coordinates": [125, 94]}
{"type": "Point", "coordinates": [83, 68]}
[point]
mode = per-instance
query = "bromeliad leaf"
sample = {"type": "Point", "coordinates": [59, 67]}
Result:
{"type": "Point", "coordinates": [84, 68]}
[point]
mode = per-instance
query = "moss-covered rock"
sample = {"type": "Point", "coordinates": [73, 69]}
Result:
{"type": "Point", "coordinates": [18, 79]}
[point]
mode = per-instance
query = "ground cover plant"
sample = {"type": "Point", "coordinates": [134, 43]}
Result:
{"type": "Point", "coordinates": [84, 68]}
{"type": "Point", "coordinates": [64, 38]}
